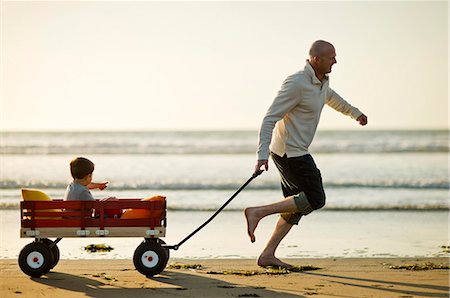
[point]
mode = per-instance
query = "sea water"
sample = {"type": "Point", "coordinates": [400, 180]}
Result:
{"type": "Point", "coordinates": [387, 191]}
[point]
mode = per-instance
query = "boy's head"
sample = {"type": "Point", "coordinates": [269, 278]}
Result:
{"type": "Point", "coordinates": [80, 167]}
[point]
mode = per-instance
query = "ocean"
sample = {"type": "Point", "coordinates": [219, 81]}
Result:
{"type": "Point", "coordinates": [381, 183]}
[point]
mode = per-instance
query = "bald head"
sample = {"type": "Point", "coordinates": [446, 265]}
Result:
{"type": "Point", "coordinates": [320, 48]}
{"type": "Point", "coordinates": [322, 57]}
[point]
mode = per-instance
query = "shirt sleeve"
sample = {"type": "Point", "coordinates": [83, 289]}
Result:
{"type": "Point", "coordinates": [335, 101]}
{"type": "Point", "coordinates": [287, 98]}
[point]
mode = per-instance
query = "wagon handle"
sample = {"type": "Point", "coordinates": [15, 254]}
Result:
{"type": "Point", "coordinates": [176, 246]}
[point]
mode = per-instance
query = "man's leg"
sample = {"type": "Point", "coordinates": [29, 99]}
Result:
{"type": "Point", "coordinates": [295, 180]}
{"type": "Point", "coordinates": [267, 257]}
{"type": "Point", "coordinates": [292, 208]}
{"type": "Point", "coordinates": [297, 204]}
{"type": "Point", "coordinates": [255, 214]}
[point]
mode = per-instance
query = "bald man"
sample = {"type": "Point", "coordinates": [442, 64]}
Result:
{"type": "Point", "coordinates": [293, 117]}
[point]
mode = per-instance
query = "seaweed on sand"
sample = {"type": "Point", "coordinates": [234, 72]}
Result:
{"type": "Point", "coordinates": [185, 266]}
{"type": "Point", "coordinates": [98, 248]}
{"type": "Point", "coordinates": [424, 266]}
{"type": "Point", "coordinates": [269, 271]}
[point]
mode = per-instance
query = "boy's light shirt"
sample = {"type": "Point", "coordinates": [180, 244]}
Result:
{"type": "Point", "coordinates": [77, 192]}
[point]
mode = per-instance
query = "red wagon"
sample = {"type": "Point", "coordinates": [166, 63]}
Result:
{"type": "Point", "coordinates": [59, 219]}
{"type": "Point", "coordinates": [44, 218]}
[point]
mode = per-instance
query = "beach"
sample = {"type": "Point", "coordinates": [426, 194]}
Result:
{"type": "Point", "coordinates": [387, 205]}
{"type": "Point", "coordinates": [354, 257]}
{"type": "Point", "coordinates": [322, 234]}
{"type": "Point", "coordinates": [342, 277]}
{"type": "Point", "coordinates": [175, 100]}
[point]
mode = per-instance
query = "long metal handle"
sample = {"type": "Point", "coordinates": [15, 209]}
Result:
{"type": "Point", "coordinates": [176, 246]}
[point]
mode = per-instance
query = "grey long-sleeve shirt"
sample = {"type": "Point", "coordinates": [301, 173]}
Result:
{"type": "Point", "coordinates": [77, 192]}
{"type": "Point", "coordinates": [295, 114]}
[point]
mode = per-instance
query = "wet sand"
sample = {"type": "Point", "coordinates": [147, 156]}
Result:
{"type": "Point", "coordinates": [341, 277]}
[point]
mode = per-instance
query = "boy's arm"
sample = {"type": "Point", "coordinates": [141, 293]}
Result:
{"type": "Point", "coordinates": [94, 185]}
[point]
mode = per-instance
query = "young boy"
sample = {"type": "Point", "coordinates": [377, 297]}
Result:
{"type": "Point", "coordinates": [81, 169]}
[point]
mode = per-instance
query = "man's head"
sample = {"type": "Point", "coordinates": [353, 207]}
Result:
{"type": "Point", "coordinates": [81, 167]}
{"type": "Point", "coordinates": [322, 56]}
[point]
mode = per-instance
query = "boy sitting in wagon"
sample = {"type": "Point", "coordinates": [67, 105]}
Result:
{"type": "Point", "coordinates": [81, 170]}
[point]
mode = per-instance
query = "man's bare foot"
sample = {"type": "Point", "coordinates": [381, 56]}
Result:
{"type": "Point", "coordinates": [252, 222]}
{"type": "Point", "coordinates": [265, 261]}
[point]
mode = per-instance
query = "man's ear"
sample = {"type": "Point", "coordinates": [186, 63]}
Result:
{"type": "Point", "coordinates": [315, 59]}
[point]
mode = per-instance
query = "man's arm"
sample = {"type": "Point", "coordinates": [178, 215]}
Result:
{"type": "Point", "coordinates": [287, 98]}
{"type": "Point", "coordinates": [335, 101]}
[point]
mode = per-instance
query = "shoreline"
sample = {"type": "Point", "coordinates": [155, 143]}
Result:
{"type": "Point", "coordinates": [352, 277]}
{"type": "Point", "coordinates": [320, 235]}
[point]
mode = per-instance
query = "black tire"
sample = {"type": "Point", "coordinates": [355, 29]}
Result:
{"type": "Point", "coordinates": [150, 258]}
{"type": "Point", "coordinates": [54, 250]}
{"type": "Point", "coordinates": [35, 259]}
{"type": "Point", "coordinates": [161, 242]}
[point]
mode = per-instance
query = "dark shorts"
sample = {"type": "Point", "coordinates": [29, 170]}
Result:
{"type": "Point", "coordinates": [300, 178]}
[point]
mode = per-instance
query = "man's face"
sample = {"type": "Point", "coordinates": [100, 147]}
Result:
{"type": "Point", "coordinates": [327, 60]}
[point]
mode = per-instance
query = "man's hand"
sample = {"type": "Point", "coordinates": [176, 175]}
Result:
{"type": "Point", "coordinates": [260, 163]}
{"type": "Point", "coordinates": [362, 120]}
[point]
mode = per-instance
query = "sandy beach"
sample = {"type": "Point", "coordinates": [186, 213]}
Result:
{"type": "Point", "coordinates": [358, 277]}
{"type": "Point", "coordinates": [393, 213]}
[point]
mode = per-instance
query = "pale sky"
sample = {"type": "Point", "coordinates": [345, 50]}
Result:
{"type": "Point", "coordinates": [216, 65]}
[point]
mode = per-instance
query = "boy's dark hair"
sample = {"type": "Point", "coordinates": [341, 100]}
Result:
{"type": "Point", "coordinates": [80, 167]}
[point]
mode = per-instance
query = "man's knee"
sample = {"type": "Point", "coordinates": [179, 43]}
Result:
{"type": "Point", "coordinates": [303, 205]}
{"type": "Point", "coordinates": [319, 201]}
{"type": "Point", "coordinates": [306, 205]}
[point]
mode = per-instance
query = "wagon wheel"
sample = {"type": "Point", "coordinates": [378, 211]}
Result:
{"type": "Point", "coordinates": [150, 258]}
{"type": "Point", "coordinates": [35, 259]}
{"type": "Point", "coordinates": [161, 242]}
{"type": "Point", "coordinates": [54, 250]}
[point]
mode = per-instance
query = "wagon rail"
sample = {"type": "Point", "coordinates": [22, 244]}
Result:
{"type": "Point", "coordinates": [60, 218]}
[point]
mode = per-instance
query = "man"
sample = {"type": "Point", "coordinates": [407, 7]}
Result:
{"type": "Point", "coordinates": [295, 114]}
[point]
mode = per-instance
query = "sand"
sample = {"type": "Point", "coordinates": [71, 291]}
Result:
{"type": "Point", "coordinates": [359, 277]}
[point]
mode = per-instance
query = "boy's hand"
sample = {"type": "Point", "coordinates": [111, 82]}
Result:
{"type": "Point", "coordinates": [108, 199]}
{"type": "Point", "coordinates": [101, 186]}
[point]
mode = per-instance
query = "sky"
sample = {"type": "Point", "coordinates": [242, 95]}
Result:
{"type": "Point", "coordinates": [97, 65]}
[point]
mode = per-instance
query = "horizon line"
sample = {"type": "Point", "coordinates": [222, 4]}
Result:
{"type": "Point", "coordinates": [97, 130]}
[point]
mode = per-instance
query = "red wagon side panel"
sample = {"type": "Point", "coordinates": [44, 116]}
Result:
{"type": "Point", "coordinates": [61, 215]}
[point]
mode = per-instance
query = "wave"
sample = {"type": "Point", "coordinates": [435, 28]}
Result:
{"type": "Point", "coordinates": [428, 184]}
{"type": "Point", "coordinates": [14, 206]}
{"type": "Point", "coordinates": [215, 142]}
{"type": "Point", "coordinates": [116, 149]}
